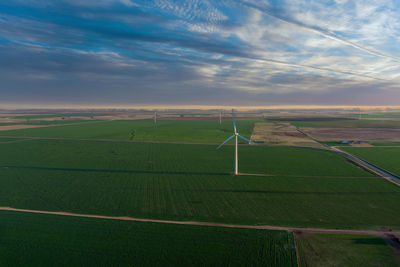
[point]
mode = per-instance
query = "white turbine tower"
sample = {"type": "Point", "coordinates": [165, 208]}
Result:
{"type": "Point", "coordinates": [236, 135]}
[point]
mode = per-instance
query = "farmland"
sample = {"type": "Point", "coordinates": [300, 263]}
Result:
{"type": "Point", "coordinates": [173, 171]}
{"type": "Point", "coordinates": [144, 130]}
{"type": "Point", "coordinates": [43, 122]}
{"type": "Point", "coordinates": [282, 133]}
{"type": "Point", "coordinates": [383, 115]}
{"type": "Point", "coordinates": [57, 115]}
{"type": "Point", "coordinates": [384, 157]}
{"type": "Point", "coordinates": [344, 250]}
{"type": "Point", "coordinates": [348, 124]}
{"type": "Point", "coordinates": [254, 200]}
{"type": "Point", "coordinates": [6, 140]}
{"type": "Point", "coordinates": [49, 240]}
{"type": "Point", "coordinates": [175, 158]}
{"type": "Point", "coordinates": [362, 134]}
{"type": "Point", "coordinates": [192, 182]}
{"type": "Point", "coordinates": [385, 143]}
{"type": "Point", "coordinates": [200, 133]}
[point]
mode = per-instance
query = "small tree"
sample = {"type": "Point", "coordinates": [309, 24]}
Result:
{"type": "Point", "coordinates": [132, 134]}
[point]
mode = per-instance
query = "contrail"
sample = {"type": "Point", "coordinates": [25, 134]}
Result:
{"type": "Point", "coordinates": [323, 32]}
{"type": "Point", "coordinates": [318, 68]}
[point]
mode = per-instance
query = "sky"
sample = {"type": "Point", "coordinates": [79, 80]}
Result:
{"type": "Point", "coordinates": [199, 52]}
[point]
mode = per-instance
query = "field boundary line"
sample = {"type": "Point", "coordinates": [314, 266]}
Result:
{"type": "Point", "coordinates": [296, 249]}
{"type": "Point", "coordinates": [212, 224]}
{"type": "Point", "coordinates": [14, 141]}
{"type": "Point", "coordinates": [305, 176]}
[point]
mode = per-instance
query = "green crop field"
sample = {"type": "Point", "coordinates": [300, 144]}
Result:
{"type": "Point", "coordinates": [382, 115]}
{"type": "Point", "coordinates": [179, 158]}
{"type": "Point", "coordinates": [42, 122]}
{"type": "Point", "coordinates": [335, 143]}
{"type": "Point", "coordinates": [192, 182]}
{"type": "Point", "coordinates": [384, 157]}
{"type": "Point", "coordinates": [51, 115]}
{"type": "Point", "coordinates": [50, 240]}
{"type": "Point", "coordinates": [144, 130]}
{"type": "Point", "coordinates": [344, 250]}
{"type": "Point", "coordinates": [347, 124]}
{"type": "Point", "coordinates": [385, 143]}
{"type": "Point", "coordinates": [6, 140]}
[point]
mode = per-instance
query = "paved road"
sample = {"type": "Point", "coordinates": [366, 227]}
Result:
{"type": "Point", "coordinates": [363, 163]}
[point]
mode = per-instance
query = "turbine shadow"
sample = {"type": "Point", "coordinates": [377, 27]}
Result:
{"type": "Point", "coordinates": [369, 241]}
{"type": "Point", "coordinates": [115, 171]}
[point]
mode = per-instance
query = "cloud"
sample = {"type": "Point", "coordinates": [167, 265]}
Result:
{"type": "Point", "coordinates": [326, 33]}
{"type": "Point", "coordinates": [198, 51]}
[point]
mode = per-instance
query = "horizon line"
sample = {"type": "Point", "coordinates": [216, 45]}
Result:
{"type": "Point", "coordinates": [196, 106]}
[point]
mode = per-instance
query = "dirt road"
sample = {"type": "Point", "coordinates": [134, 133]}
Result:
{"type": "Point", "coordinates": [383, 233]}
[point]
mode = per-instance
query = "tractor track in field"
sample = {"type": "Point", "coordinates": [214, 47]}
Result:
{"type": "Point", "coordinates": [385, 233]}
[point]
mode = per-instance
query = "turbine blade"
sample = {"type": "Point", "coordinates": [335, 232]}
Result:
{"type": "Point", "coordinates": [234, 122]}
{"type": "Point", "coordinates": [246, 139]}
{"type": "Point", "coordinates": [225, 141]}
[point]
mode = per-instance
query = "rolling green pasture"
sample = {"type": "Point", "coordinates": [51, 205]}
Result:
{"type": "Point", "coordinates": [145, 130]}
{"type": "Point", "coordinates": [385, 157]}
{"type": "Point", "coordinates": [344, 250]}
{"type": "Point", "coordinates": [347, 124]}
{"type": "Point", "coordinates": [50, 240]}
{"type": "Point", "coordinates": [192, 182]}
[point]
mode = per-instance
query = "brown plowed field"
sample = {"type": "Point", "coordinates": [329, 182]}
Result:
{"type": "Point", "coordinates": [205, 118]}
{"type": "Point", "coordinates": [290, 134]}
{"type": "Point", "coordinates": [310, 119]}
{"type": "Point", "coordinates": [354, 134]}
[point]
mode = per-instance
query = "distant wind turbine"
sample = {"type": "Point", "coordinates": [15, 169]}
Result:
{"type": "Point", "coordinates": [155, 118]}
{"type": "Point", "coordinates": [236, 135]}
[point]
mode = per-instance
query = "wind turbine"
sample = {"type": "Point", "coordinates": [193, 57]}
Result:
{"type": "Point", "coordinates": [236, 135]}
